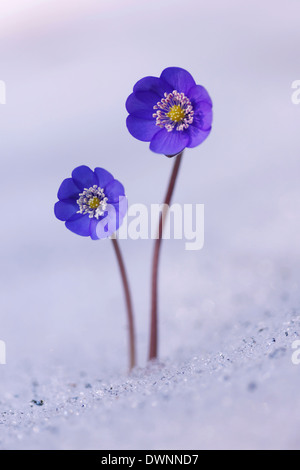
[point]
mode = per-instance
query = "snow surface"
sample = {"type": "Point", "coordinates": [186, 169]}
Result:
{"type": "Point", "coordinates": [230, 384]}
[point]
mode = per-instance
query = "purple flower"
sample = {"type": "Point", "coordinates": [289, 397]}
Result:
{"type": "Point", "coordinates": [91, 203]}
{"type": "Point", "coordinates": [171, 112]}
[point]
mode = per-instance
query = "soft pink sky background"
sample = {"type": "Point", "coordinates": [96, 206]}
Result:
{"type": "Point", "coordinates": [69, 67]}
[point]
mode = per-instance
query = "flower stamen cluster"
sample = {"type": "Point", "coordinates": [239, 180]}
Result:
{"type": "Point", "coordinates": [174, 111]}
{"type": "Point", "coordinates": [92, 201]}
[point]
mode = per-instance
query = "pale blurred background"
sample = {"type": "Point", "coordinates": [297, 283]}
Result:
{"type": "Point", "coordinates": [69, 67]}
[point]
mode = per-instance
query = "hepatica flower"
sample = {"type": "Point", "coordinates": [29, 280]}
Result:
{"type": "Point", "coordinates": [171, 112]}
{"type": "Point", "coordinates": [91, 203]}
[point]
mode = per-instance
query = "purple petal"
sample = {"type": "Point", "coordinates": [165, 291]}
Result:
{"type": "Point", "coordinates": [141, 129]}
{"type": "Point", "coordinates": [199, 93]}
{"type": "Point", "coordinates": [203, 116]}
{"type": "Point", "coordinates": [122, 206]}
{"type": "Point", "coordinates": [179, 79]}
{"type": "Point", "coordinates": [196, 135]}
{"type": "Point", "coordinates": [103, 176]}
{"type": "Point", "coordinates": [84, 177]}
{"type": "Point", "coordinates": [63, 210]}
{"type": "Point", "coordinates": [153, 84]}
{"type": "Point", "coordinates": [79, 224]}
{"type": "Point", "coordinates": [68, 189]}
{"type": "Point", "coordinates": [169, 143]}
{"type": "Point", "coordinates": [148, 97]}
{"type": "Point", "coordinates": [113, 191]}
{"type": "Point", "coordinates": [141, 108]}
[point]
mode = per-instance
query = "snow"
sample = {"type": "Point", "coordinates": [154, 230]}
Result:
{"type": "Point", "coordinates": [230, 384]}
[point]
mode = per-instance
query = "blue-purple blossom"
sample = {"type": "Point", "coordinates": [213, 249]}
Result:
{"type": "Point", "coordinates": [171, 112]}
{"type": "Point", "coordinates": [91, 203]}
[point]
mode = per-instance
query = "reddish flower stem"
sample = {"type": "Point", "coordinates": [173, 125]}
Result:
{"type": "Point", "coordinates": [130, 318]}
{"type": "Point", "coordinates": [154, 301]}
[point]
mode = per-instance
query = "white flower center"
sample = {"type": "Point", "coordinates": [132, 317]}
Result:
{"type": "Point", "coordinates": [92, 201]}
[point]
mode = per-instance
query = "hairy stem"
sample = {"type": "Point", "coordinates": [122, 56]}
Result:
{"type": "Point", "coordinates": [154, 300]}
{"type": "Point", "coordinates": [131, 328]}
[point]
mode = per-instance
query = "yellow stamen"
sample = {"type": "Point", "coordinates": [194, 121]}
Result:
{"type": "Point", "coordinates": [94, 202]}
{"type": "Point", "coordinates": [176, 113]}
